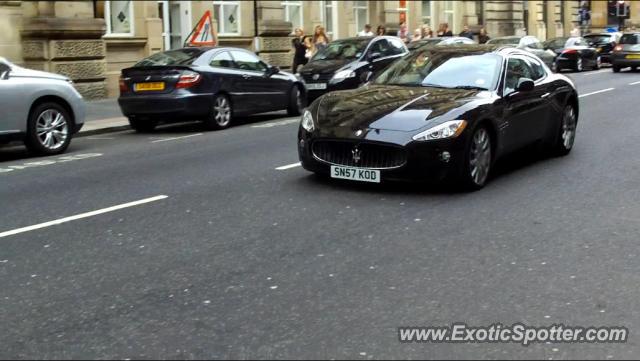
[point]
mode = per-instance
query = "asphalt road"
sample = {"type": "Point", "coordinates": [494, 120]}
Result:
{"type": "Point", "coordinates": [242, 260]}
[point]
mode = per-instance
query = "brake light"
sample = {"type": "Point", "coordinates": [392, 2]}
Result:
{"type": "Point", "coordinates": [618, 48]}
{"type": "Point", "coordinates": [188, 79]}
{"type": "Point", "coordinates": [123, 85]}
{"type": "Point", "coordinates": [570, 51]}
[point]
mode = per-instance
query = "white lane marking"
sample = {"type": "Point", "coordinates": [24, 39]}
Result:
{"type": "Point", "coordinates": [597, 72]}
{"type": "Point", "coordinates": [635, 83]}
{"type": "Point", "coordinates": [80, 216]}
{"type": "Point", "coordinates": [45, 161]}
{"type": "Point", "coordinates": [100, 138]}
{"type": "Point", "coordinates": [289, 166]}
{"type": "Point", "coordinates": [275, 124]}
{"type": "Point", "coordinates": [176, 138]}
{"type": "Point", "coordinates": [596, 92]}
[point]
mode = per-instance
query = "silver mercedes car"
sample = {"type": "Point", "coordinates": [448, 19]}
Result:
{"type": "Point", "coordinates": [41, 109]}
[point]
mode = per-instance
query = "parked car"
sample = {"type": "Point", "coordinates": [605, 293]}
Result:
{"type": "Point", "coordinates": [627, 52]}
{"type": "Point", "coordinates": [348, 63]}
{"type": "Point", "coordinates": [210, 84]}
{"type": "Point", "coordinates": [456, 40]}
{"type": "Point", "coordinates": [573, 53]}
{"type": "Point", "coordinates": [528, 43]}
{"type": "Point", "coordinates": [604, 43]}
{"type": "Point", "coordinates": [41, 109]}
{"type": "Point", "coordinates": [440, 113]}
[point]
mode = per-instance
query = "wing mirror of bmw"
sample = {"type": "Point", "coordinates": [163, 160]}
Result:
{"type": "Point", "coordinates": [525, 85]}
{"type": "Point", "coordinates": [272, 70]}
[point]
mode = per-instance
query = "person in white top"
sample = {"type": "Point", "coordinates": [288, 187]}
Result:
{"type": "Point", "coordinates": [367, 31]}
{"type": "Point", "coordinates": [575, 32]}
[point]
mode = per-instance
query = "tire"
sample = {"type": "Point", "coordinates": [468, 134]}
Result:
{"type": "Point", "coordinates": [221, 113]}
{"type": "Point", "coordinates": [555, 67]}
{"type": "Point", "coordinates": [634, 68]}
{"type": "Point", "coordinates": [598, 63]}
{"type": "Point", "coordinates": [616, 69]}
{"type": "Point", "coordinates": [579, 65]}
{"type": "Point", "coordinates": [566, 135]}
{"type": "Point", "coordinates": [142, 125]}
{"type": "Point", "coordinates": [49, 129]}
{"type": "Point", "coordinates": [296, 102]}
{"type": "Point", "coordinates": [478, 159]}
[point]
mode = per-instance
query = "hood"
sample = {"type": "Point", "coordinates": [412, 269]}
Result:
{"type": "Point", "coordinates": [324, 66]}
{"type": "Point", "coordinates": [390, 107]}
{"type": "Point", "coordinates": [30, 73]}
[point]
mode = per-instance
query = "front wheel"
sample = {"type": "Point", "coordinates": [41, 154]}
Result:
{"type": "Point", "coordinates": [478, 160]}
{"type": "Point", "coordinates": [598, 63]}
{"type": "Point", "coordinates": [616, 69]}
{"type": "Point", "coordinates": [220, 117]}
{"type": "Point", "coordinates": [48, 130]}
{"type": "Point", "coordinates": [567, 133]}
{"type": "Point", "coordinates": [579, 65]}
{"type": "Point", "coordinates": [296, 102]}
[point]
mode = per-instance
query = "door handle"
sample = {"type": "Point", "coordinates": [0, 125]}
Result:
{"type": "Point", "coordinates": [246, 76]}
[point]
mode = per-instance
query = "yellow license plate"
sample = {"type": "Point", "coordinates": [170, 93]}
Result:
{"type": "Point", "coordinates": [141, 87]}
{"type": "Point", "coordinates": [633, 56]}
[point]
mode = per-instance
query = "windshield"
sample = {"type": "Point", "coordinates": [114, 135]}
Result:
{"type": "Point", "coordinates": [444, 69]}
{"type": "Point", "coordinates": [598, 38]}
{"type": "Point", "coordinates": [343, 50]}
{"type": "Point", "coordinates": [630, 39]}
{"type": "Point", "coordinates": [172, 57]}
{"type": "Point", "coordinates": [505, 41]}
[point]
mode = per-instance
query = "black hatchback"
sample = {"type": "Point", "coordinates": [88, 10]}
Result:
{"type": "Point", "coordinates": [348, 63]}
{"type": "Point", "coordinates": [208, 84]}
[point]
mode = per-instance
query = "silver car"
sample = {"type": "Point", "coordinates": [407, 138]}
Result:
{"type": "Point", "coordinates": [41, 109]}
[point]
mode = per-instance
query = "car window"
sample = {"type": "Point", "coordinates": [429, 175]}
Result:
{"type": "Point", "coordinates": [630, 39]}
{"type": "Point", "coordinates": [381, 46]}
{"type": "Point", "coordinates": [246, 61]}
{"type": "Point", "coordinates": [222, 60]}
{"type": "Point", "coordinates": [172, 57]}
{"type": "Point", "coordinates": [348, 49]}
{"type": "Point", "coordinates": [517, 68]}
{"type": "Point", "coordinates": [537, 70]}
{"type": "Point", "coordinates": [532, 43]}
{"type": "Point", "coordinates": [4, 68]}
{"type": "Point", "coordinates": [396, 46]}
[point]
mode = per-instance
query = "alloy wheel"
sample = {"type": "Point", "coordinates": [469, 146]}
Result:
{"type": "Point", "coordinates": [579, 64]}
{"type": "Point", "coordinates": [598, 62]}
{"type": "Point", "coordinates": [480, 157]}
{"type": "Point", "coordinates": [298, 99]}
{"type": "Point", "coordinates": [222, 112]}
{"type": "Point", "coordinates": [568, 128]}
{"type": "Point", "coordinates": [52, 129]}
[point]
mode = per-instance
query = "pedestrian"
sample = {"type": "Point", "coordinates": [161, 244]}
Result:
{"type": "Point", "coordinates": [310, 48]}
{"type": "Point", "coordinates": [443, 30]}
{"type": "Point", "coordinates": [320, 39]}
{"type": "Point", "coordinates": [366, 31]}
{"type": "Point", "coordinates": [466, 33]}
{"type": "Point", "coordinates": [403, 32]}
{"type": "Point", "coordinates": [417, 35]}
{"type": "Point", "coordinates": [483, 37]}
{"type": "Point", "coordinates": [427, 32]}
{"type": "Point", "coordinates": [575, 32]}
{"type": "Point", "coordinates": [299, 50]}
{"type": "Point", "coordinates": [381, 30]}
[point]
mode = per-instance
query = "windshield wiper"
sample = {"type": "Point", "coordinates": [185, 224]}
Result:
{"type": "Point", "coordinates": [470, 87]}
{"type": "Point", "coordinates": [434, 85]}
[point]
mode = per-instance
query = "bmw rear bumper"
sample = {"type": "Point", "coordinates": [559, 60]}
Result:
{"type": "Point", "coordinates": [166, 107]}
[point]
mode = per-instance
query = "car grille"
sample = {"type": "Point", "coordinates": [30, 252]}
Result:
{"type": "Point", "coordinates": [323, 78]}
{"type": "Point", "coordinates": [376, 156]}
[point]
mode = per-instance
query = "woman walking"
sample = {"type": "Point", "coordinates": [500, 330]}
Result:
{"type": "Point", "coordinates": [299, 50]}
{"type": "Point", "coordinates": [320, 38]}
{"type": "Point", "coordinates": [483, 37]}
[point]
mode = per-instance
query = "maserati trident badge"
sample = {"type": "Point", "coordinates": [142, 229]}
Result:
{"type": "Point", "coordinates": [355, 152]}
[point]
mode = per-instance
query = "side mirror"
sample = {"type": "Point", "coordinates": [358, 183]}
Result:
{"type": "Point", "coordinates": [272, 70]}
{"type": "Point", "coordinates": [525, 85]}
{"type": "Point", "coordinates": [373, 56]}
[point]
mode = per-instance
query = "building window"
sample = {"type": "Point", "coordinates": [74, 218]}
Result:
{"type": "Point", "coordinates": [448, 13]}
{"type": "Point", "coordinates": [426, 12]}
{"type": "Point", "coordinates": [329, 16]}
{"type": "Point", "coordinates": [361, 14]}
{"type": "Point", "coordinates": [119, 17]}
{"type": "Point", "coordinates": [293, 13]}
{"type": "Point", "coordinates": [227, 15]}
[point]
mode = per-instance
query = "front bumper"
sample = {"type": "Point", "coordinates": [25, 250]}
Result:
{"type": "Point", "coordinates": [185, 105]}
{"type": "Point", "coordinates": [425, 161]}
{"type": "Point", "coordinates": [346, 84]}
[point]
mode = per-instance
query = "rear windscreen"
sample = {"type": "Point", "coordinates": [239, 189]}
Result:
{"type": "Point", "coordinates": [172, 57]}
{"type": "Point", "coordinates": [598, 38]}
{"type": "Point", "coordinates": [630, 39]}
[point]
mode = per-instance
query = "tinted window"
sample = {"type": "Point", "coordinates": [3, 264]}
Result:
{"type": "Point", "coordinates": [343, 50]}
{"type": "Point", "coordinates": [172, 57]}
{"type": "Point", "coordinates": [246, 61]}
{"type": "Point", "coordinates": [504, 41]}
{"type": "Point", "coordinates": [630, 39]}
{"type": "Point", "coordinates": [443, 69]}
{"type": "Point", "coordinates": [222, 60]}
{"type": "Point", "coordinates": [558, 43]}
{"type": "Point", "coordinates": [396, 46]}
{"type": "Point", "coordinates": [517, 69]}
{"type": "Point", "coordinates": [4, 68]}
{"type": "Point", "coordinates": [598, 38]}
{"type": "Point", "coordinates": [537, 70]}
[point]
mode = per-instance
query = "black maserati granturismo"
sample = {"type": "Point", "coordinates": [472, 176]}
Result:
{"type": "Point", "coordinates": [440, 113]}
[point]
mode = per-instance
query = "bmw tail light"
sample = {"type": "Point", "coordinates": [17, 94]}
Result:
{"type": "Point", "coordinates": [188, 79]}
{"type": "Point", "coordinates": [570, 51]}
{"type": "Point", "coordinates": [123, 85]}
{"type": "Point", "coordinates": [618, 48]}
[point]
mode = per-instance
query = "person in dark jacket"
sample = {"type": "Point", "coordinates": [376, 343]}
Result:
{"type": "Point", "coordinates": [483, 37]}
{"type": "Point", "coordinates": [299, 50]}
{"type": "Point", "coordinates": [443, 30]}
{"type": "Point", "coordinates": [466, 33]}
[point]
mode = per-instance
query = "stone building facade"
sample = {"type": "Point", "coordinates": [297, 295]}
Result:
{"type": "Point", "coordinates": [91, 41]}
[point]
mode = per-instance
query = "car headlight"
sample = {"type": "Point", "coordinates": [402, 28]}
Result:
{"type": "Point", "coordinates": [450, 129]}
{"type": "Point", "coordinates": [307, 121]}
{"type": "Point", "coordinates": [343, 74]}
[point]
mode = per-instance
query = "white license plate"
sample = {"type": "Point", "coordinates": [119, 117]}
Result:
{"type": "Point", "coordinates": [316, 86]}
{"type": "Point", "coordinates": [356, 174]}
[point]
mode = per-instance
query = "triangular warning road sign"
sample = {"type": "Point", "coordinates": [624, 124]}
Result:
{"type": "Point", "coordinates": [204, 34]}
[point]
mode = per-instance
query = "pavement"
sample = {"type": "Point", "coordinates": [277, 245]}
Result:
{"type": "Point", "coordinates": [192, 244]}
